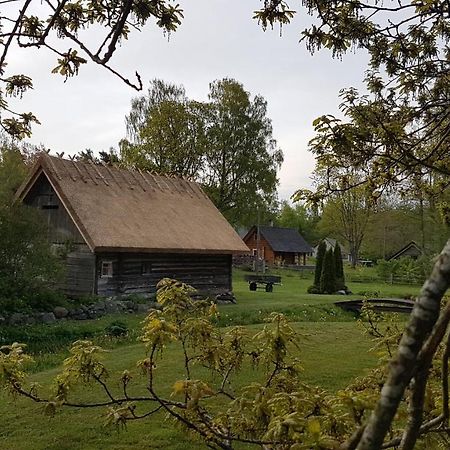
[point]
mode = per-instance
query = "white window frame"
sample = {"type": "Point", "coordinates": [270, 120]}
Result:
{"type": "Point", "coordinates": [106, 269]}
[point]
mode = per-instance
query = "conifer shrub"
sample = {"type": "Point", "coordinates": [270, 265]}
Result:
{"type": "Point", "coordinates": [339, 266]}
{"type": "Point", "coordinates": [315, 288]}
{"type": "Point", "coordinates": [327, 278]}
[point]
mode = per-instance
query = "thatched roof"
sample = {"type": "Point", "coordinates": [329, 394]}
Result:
{"type": "Point", "coordinates": [125, 210]}
{"type": "Point", "coordinates": [287, 240]}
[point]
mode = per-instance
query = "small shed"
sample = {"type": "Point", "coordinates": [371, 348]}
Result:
{"type": "Point", "coordinates": [411, 250]}
{"type": "Point", "coordinates": [278, 245]}
{"type": "Point", "coordinates": [123, 230]}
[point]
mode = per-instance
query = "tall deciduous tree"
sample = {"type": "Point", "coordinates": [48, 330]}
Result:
{"type": "Point", "coordinates": [165, 132]}
{"type": "Point", "coordinates": [226, 144]}
{"type": "Point", "coordinates": [299, 217]}
{"type": "Point", "coordinates": [242, 158]}
{"type": "Point", "coordinates": [12, 170]}
{"type": "Point", "coordinates": [27, 264]}
{"type": "Point", "coordinates": [400, 131]}
{"type": "Point", "coordinates": [346, 216]}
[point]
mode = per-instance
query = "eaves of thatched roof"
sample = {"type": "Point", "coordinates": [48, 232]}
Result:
{"type": "Point", "coordinates": [126, 210]}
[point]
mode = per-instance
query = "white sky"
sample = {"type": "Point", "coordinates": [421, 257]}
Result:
{"type": "Point", "coordinates": [217, 39]}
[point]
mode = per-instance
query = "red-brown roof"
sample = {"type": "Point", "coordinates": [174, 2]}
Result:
{"type": "Point", "coordinates": [127, 210]}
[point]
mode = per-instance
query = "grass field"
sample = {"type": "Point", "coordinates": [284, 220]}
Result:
{"type": "Point", "coordinates": [333, 350]}
{"type": "Point", "coordinates": [24, 427]}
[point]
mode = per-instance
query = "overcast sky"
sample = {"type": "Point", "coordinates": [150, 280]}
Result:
{"type": "Point", "coordinates": [217, 39]}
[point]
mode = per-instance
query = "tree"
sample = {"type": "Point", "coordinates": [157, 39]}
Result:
{"type": "Point", "coordinates": [226, 144]}
{"type": "Point", "coordinates": [27, 264]}
{"type": "Point", "coordinates": [399, 131]}
{"type": "Point", "coordinates": [321, 250]}
{"type": "Point", "coordinates": [346, 216]}
{"type": "Point", "coordinates": [242, 157]}
{"type": "Point", "coordinates": [166, 132]}
{"type": "Point", "coordinates": [328, 275]}
{"type": "Point", "coordinates": [299, 217]}
{"type": "Point", "coordinates": [402, 128]}
{"type": "Point", "coordinates": [12, 170]}
{"type": "Point", "coordinates": [339, 267]}
{"type": "Point", "coordinates": [68, 21]}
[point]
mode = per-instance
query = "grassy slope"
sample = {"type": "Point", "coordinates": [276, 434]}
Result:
{"type": "Point", "coordinates": [332, 353]}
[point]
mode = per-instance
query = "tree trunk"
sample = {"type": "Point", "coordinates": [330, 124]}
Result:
{"type": "Point", "coordinates": [402, 367]}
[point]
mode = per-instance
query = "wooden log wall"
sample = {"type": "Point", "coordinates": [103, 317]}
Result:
{"type": "Point", "coordinates": [208, 273]}
{"type": "Point", "coordinates": [61, 227]}
{"type": "Point", "coordinates": [79, 272]}
{"type": "Point", "coordinates": [264, 248]}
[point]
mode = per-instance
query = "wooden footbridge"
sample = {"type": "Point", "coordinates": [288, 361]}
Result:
{"type": "Point", "coordinates": [397, 305]}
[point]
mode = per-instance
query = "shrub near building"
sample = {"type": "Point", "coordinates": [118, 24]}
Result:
{"type": "Point", "coordinates": [321, 250]}
{"type": "Point", "coordinates": [329, 273]}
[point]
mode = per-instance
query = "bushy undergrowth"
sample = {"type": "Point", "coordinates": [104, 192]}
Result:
{"type": "Point", "coordinates": [42, 300]}
{"type": "Point", "coordinates": [46, 338]}
{"type": "Point", "coordinates": [407, 269]}
{"type": "Point", "coordinates": [117, 328]}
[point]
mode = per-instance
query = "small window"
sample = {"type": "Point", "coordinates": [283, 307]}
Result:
{"type": "Point", "coordinates": [254, 251]}
{"type": "Point", "coordinates": [107, 269]}
{"type": "Point", "coordinates": [146, 268]}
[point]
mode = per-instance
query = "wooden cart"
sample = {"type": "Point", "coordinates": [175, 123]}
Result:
{"type": "Point", "coordinates": [262, 281]}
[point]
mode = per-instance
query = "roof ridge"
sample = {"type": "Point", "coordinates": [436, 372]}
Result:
{"type": "Point", "coordinates": [88, 170]}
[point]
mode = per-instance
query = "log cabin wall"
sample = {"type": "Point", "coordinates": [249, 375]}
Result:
{"type": "Point", "coordinates": [80, 272]}
{"type": "Point", "coordinates": [139, 273]}
{"type": "Point", "coordinates": [265, 249]}
{"type": "Point", "coordinates": [65, 239]}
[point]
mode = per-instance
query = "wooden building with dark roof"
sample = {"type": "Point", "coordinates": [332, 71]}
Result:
{"type": "Point", "coordinates": [278, 246]}
{"type": "Point", "coordinates": [410, 250]}
{"type": "Point", "coordinates": [124, 230]}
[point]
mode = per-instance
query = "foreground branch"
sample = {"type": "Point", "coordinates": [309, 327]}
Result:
{"type": "Point", "coordinates": [404, 365]}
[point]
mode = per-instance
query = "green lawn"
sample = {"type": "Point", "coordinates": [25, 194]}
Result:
{"type": "Point", "coordinates": [290, 298]}
{"type": "Point", "coordinates": [324, 348]}
{"type": "Point", "coordinates": [333, 350]}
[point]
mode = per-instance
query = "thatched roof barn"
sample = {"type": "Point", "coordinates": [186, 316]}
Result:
{"type": "Point", "coordinates": [127, 229]}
